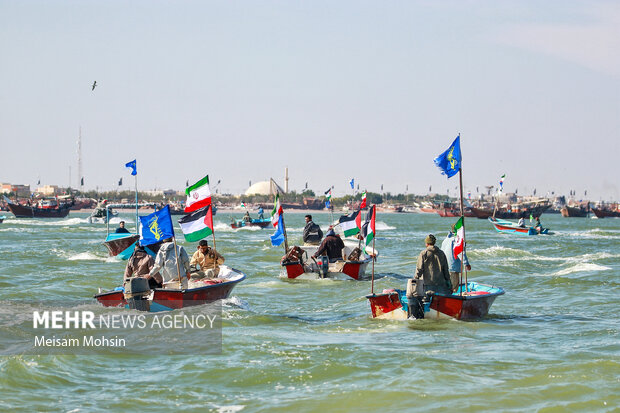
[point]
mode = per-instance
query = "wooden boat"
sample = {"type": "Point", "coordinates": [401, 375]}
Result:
{"type": "Point", "coordinates": [612, 212]}
{"type": "Point", "coordinates": [48, 208]}
{"type": "Point", "coordinates": [165, 299]}
{"type": "Point", "coordinates": [240, 223]}
{"type": "Point", "coordinates": [515, 211]}
{"type": "Point", "coordinates": [123, 244]}
{"type": "Point", "coordinates": [470, 302]}
{"type": "Point", "coordinates": [510, 227]}
{"type": "Point", "coordinates": [308, 268]}
{"type": "Point", "coordinates": [579, 211]}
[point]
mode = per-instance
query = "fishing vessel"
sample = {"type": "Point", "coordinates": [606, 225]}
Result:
{"type": "Point", "coordinates": [240, 223]}
{"type": "Point", "coordinates": [122, 244]}
{"type": "Point", "coordinates": [136, 293]}
{"type": "Point", "coordinates": [45, 208]}
{"type": "Point", "coordinates": [472, 301]}
{"type": "Point", "coordinates": [612, 211]}
{"type": "Point", "coordinates": [509, 227]}
{"type": "Point", "coordinates": [575, 210]}
{"type": "Point", "coordinates": [299, 264]}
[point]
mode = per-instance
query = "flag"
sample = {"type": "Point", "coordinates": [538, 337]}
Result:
{"type": "Point", "coordinates": [82, 181]}
{"type": "Point", "coordinates": [277, 211]}
{"type": "Point", "coordinates": [459, 232]}
{"type": "Point", "coordinates": [39, 181]}
{"type": "Point", "coordinates": [368, 229]}
{"type": "Point", "coordinates": [198, 224]}
{"type": "Point", "coordinates": [351, 224]}
{"type": "Point", "coordinates": [501, 183]}
{"type": "Point", "coordinates": [278, 237]}
{"type": "Point", "coordinates": [156, 227]}
{"type": "Point", "coordinates": [449, 162]}
{"type": "Point", "coordinates": [430, 187]}
{"type": "Point", "coordinates": [352, 183]}
{"type": "Point", "coordinates": [328, 194]}
{"type": "Point", "coordinates": [328, 204]}
{"type": "Point", "coordinates": [132, 165]}
{"type": "Point", "coordinates": [382, 187]}
{"type": "Point", "coordinates": [243, 205]}
{"type": "Point", "coordinates": [120, 182]}
{"type": "Point", "coordinates": [198, 195]}
{"type": "Point", "coordinates": [363, 203]}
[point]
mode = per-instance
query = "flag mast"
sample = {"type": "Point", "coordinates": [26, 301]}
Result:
{"type": "Point", "coordinates": [463, 220]}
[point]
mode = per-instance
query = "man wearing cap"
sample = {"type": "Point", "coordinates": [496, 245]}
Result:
{"type": "Point", "coordinates": [432, 267]}
{"type": "Point", "coordinates": [454, 264]}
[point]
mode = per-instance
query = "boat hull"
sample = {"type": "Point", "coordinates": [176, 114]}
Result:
{"type": "Point", "coordinates": [604, 213]}
{"type": "Point", "coordinates": [255, 223]}
{"type": "Point", "coordinates": [25, 211]}
{"type": "Point", "coordinates": [171, 299]}
{"type": "Point", "coordinates": [472, 303]}
{"type": "Point", "coordinates": [512, 228]}
{"type": "Point", "coordinates": [574, 212]}
{"type": "Point", "coordinates": [348, 270]}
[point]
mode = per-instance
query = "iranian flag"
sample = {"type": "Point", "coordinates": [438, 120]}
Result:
{"type": "Point", "coordinates": [351, 224]}
{"type": "Point", "coordinates": [198, 195]}
{"type": "Point", "coordinates": [277, 211]}
{"type": "Point", "coordinates": [459, 233]}
{"type": "Point", "coordinates": [363, 204]}
{"type": "Point", "coordinates": [368, 229]}
{"type": "Point", "coordinates": [197, 225]}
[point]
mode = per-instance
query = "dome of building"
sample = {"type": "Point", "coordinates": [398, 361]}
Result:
{"type": "Point", "coordinates": [264, 188]}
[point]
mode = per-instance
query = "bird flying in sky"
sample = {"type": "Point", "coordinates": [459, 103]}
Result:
{"type": "Point", "coordinates": [94, 85]}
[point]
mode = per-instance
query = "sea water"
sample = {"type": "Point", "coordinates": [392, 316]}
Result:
{"type": "Point", "coordinates": [551, 343]}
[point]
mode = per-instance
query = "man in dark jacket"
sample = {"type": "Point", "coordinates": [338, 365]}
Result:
{"type": "Point", "coordinates": [332, 246]}
{"type": "Point", "coordinates": [312, 232]}
{"type": "Point", "coordinates": [140, 264]}
{"type": "Point", "coordinates": [432, 267]}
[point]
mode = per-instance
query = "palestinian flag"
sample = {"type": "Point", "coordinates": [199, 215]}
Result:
{"type": "Point", "coordinates": [198, 195]}
{"type": "Point", "coordinates": [363, 204]}
{"type": "Point", "coordinates": [277, 211]}
{"type": "Point", "coordinates": [328, 195]}
{"type": "Point", "coordinates": [197, 225]}
{"type": "Point", "coordinates": [351, 224]}
{"type": "Point", "coordinates": [243, 205]}
{"type": "Point", "coordinates": [459, 232]}
{"type": "Point", "coordinates": [368, 229]}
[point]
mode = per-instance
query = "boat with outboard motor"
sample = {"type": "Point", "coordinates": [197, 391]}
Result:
{"type": "Point", "coordinates": [470, 302]}
{"type": "Point", "coordinates": [136, 294]}
{"type": "Point", "coordinates": [240, 223]}
{"type": "Point", "coordinates": [122, 244]}
{"type": "Point", "coordinates": [299, 264]}
{"type": "Point", "coordinates": [509, 227]}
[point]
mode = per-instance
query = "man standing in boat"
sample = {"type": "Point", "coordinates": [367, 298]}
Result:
{"type": "Point", "coordinates": [312, 232]}
{"type": "Point", "coordinates": [332, 246]}
{"type": "Point", "coordinates": [166, 264]}
{"type": "Point", "coordinates": [121, 228]}
{"type": "Point", "coordinates": [208, 259]}
{"type": "Point", "coordinates": [433, 267]}
{"type": "Point", "coordinates": [454, 264]}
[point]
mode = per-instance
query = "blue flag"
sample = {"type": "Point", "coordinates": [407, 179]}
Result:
{"type": "Point", "coordinates": [449, 162]}
{"type": "Point", "coordinates": [278, 237]}
{"type": "Point", "coordinates": [156, 227]}
{"type": "Point", "coordinates": [328, 204]}
{"type": "Point", "coordinates": [132, 165]}
{"type": "Point", "coordinates": [352, 183]}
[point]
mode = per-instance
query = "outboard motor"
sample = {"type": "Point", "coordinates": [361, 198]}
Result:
{"type": "Point", "coordinates": [136, 293]}
{"type": "Point", "coordinates": [324, 266]}
{"type": "Point", "coordinates": [415, 298]}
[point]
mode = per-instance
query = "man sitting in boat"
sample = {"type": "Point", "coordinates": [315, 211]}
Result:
{"type": "Point", "coordinates": [538, 225]}
{"type": "Point", "coordinates": [121, 228]}
{"type": "Point", "coordinates": [521, 222]}
{"type": "Point", "coordinates": [208, 259]}
{"type": "Point", "coordinates": [454, 264]}
{"type": "Point", "coordinates": [312, 232]}
{"type": "Point", "coordinates": [166, 265]}
{"type": "Point", "coordinates": [247, 217]}
{"type": "Point", "coordinates": [433, 267]}
{"type": "Point", "coordinates": [140, 264]}
{"type": "Point", "coordinates": [332, 246]}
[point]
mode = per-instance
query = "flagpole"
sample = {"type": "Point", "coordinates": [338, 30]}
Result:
{"type": "Point", "coordinates": [176, 253]}
{"type": "Point", "coordinates": [137, 219]}
{"type": "Point", "coordinates": [372, 285]}
{"type": "Point", "coordinates": [285, 237]}
{"type": "Point", "coordinates": [463, 220]}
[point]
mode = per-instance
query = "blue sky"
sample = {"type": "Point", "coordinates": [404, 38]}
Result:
{"type": "Point", "coordinates": [331, 89]}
